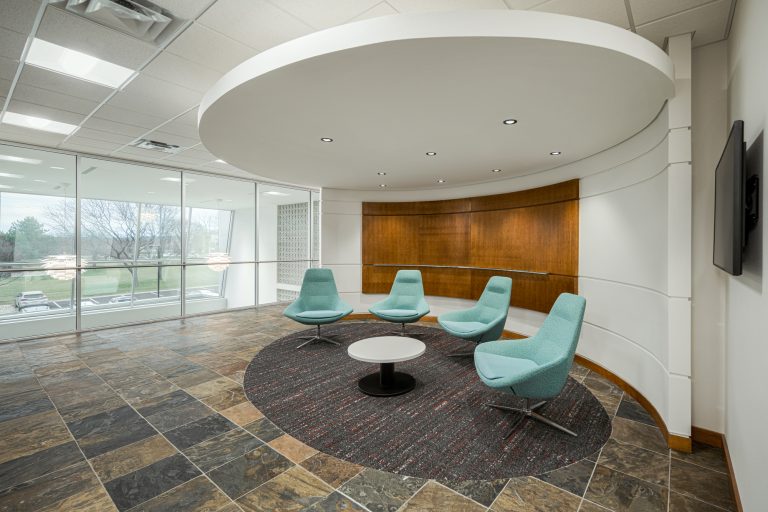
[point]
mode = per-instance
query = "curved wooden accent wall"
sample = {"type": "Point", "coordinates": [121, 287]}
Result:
{"type": "Point", "coordinates": [535, 230]}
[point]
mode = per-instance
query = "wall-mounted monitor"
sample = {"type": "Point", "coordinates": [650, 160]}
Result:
{"type": "Point", "coordinates": [735, 203]}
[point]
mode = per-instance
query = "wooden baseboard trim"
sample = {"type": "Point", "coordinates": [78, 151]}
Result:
{"type": "Point", "coordinates": [708, 437]}
{"type": "Point", "coordinates": [679, 443]}
{"type": "Point", "coordinates": [674, 441]}
{"type": "Point", "coordinates": [731, 475]}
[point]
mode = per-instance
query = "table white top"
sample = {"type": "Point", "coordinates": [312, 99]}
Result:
{"type": "Point", "coordinates": [386, 349]}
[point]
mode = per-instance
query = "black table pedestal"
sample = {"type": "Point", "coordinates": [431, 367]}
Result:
{"type": "Point", "coordinates": [386, 382]}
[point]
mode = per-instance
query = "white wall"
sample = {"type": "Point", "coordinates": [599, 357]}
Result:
{"type": "Point", "coordinates": [746, 384]}
{"type": "Point", "coordinates": [710, 129]}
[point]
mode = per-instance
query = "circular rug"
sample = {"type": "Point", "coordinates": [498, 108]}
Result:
{"type": "Point", "coordinates": [440, 430]}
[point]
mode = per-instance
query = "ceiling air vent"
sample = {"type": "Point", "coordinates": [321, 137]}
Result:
{"type": "Point", "coordinates": [154, 145]}
{"type": "Point", "coordinates": [138, 18]}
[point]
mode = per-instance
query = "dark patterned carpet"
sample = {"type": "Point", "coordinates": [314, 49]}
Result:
{"type": "Point", "coordinates": [439, 430]}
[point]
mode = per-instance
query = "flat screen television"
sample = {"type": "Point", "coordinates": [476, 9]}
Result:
{"type": "Point", "coordinates": [733, 203]}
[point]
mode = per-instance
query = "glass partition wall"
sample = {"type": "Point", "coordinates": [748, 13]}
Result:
{"type": "Point", "coordinates": [90, 242]}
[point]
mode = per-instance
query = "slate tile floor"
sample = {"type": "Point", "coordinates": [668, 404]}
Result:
{"type": "Point", "coordinates": [154, 418]}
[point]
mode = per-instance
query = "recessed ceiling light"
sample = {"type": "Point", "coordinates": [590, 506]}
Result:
{"type": "Point", "coordinates": [431, 153]}
{"type": "Point", "coordinates": [10, 175]}
{"type": "Point", "coordinates": [40, 181]}
{"type": "Point", "coordinates": [57, 58]}
{"type": "Point", "coordinates": [58, 168]}
{"type": "Point", "coordinates": [219, 161]}
{"type": "Point", "coordinates": [175, 180]}
{"type": "Point", "coordinates": [326, 139]}
{"type": "Point", "coordinates": [441, 180]}
{"type": "Point", "coordinates": [275, 193]}
{"type": "Point", "coordinates": [383, 185]}
{"type": "Point", "coordinates": [5, 186]}
{"type": "Point", "coordinates": [510, 121]}
{"type": "Point", "coordinates": [495, 170]}
{"type": "Point", "coordinates": [19, 159]}
{"type": "Point", "coordinates": [38, 123]}
{"type": "Point", "coordinates": [381, 173]}
{"type": "Point", "coordinates": [555, 153]}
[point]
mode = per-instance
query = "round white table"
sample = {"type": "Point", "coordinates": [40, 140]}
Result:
{"type": "Point", "coordinates": [386, 350]}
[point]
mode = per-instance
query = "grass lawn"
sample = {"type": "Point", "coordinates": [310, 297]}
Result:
{"type": "Point", "coordinates": [103, 281]}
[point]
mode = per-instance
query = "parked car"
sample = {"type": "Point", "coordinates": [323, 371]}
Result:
{"type": "Point", "coordinates": [34, 308]}
{"type": "Point", "coordinates": [120, 299]}
{"type": "Point", "coordinates": [24, 299]}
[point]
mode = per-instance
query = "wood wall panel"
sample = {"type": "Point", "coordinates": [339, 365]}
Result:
{"type": "Point", "coordinates": [537, 238]}
{"type": "Point", "coordinates": [534, 230]}
{"type": "Point", "coordinates": [441, 282]}
{"type": "Point", "coordinates": [566, 191]}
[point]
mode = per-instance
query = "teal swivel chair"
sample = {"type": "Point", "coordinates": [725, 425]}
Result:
{"type": "Point", "coordinates": [406, 303]}
{"type": "Point", "coordinates": [318, 304]}
{"type": "Point", "coordinates": [535, 368]}
{"type": "Point", "coordinates": [485, 321]}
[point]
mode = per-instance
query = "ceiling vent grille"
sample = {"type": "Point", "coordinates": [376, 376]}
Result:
{"type": "Point", "coordinates": [154, 145]}
{"type": "Point", "coordinates": [138, 18]}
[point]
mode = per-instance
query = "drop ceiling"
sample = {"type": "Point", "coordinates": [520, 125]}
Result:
{"type": "Point", "coordinates": [161, 102]}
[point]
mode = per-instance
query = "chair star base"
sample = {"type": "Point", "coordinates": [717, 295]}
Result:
{"type": "Point", "coordinates": [529, 411]}
{"type": "Point", "coordinates": [402, 332]}
{"type": "Point", "coordinates": [471, 353]}
{"type": "Point", "coordinates": [316, 338]}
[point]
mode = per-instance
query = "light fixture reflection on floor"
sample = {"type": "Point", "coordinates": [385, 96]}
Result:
{"type": "Point", "coordinates": [218, 261]}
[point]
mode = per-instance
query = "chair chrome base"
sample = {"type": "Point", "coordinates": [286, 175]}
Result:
{"type": "Point", "coordinates": [529, 412]}
{"type": "Point", "coordinates": [316, 337]}
{"type": "Point", "coordinates": [402, 332]}
{"type": "Point", "coordinates": [471, 353]}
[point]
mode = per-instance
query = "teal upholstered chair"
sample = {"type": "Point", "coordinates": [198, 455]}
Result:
{"type": "Point", "coordinates": [485, 321]}
{"type": "Point", "coordinates": [318, 303]}
{"type": "Point", "coordinates": [406, 303]}
{"type": "Point", "coordinates": [535, 368]}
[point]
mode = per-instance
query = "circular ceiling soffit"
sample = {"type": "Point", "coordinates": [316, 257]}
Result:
{"type": "Point", "coordinates": [390, 89]}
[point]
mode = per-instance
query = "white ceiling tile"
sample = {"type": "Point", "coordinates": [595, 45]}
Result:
{"type": "Point", "coordinates": [87, 148]}
{"type": "Point", "coordinates": [445, 5]}
{"type": "Point", "coordinates": [378, 10]}
{"type": "Point", "coordinates": [184, 9]}
{"type": "Point", "coordinates": [709, 23]}
{"type": "Point", "coordinates": [78, 143]}
{"type": "Point", "coordinates": [77, 33]}
{"type": "Point", "coordinates": [30, 94]}
{"type": "Point", "coordinates": [19, 134]}
{"type": "Point", "coordinates": [200, 153]}
{"type": "Point", "coordinates": [146, 155]}
{"type": "Point", "coordinates": [8, 68]}
{"type": "Point", "coordinates": [644, 11]}
{"type": "Point", "coordinates": [181, 129]}
{"type": "Point", "coordinates": [189, 120]}
{"type": "Point", "coordinates": [170, 138]}
{"type": "Point", "coordinates": [18, 15]}
{"type": "Point", "coordinates": [256, 23]}
{"type": "Point", "coordinates": [155, 97]}
{"type": "Point", "coordinates": [117, 138]}
{"type": "Point", "coordinates": [5, 87]}
{"type": "Point", "coordinates": [11, 43]}
{"type": "Point", "coordinates": [523, 4]}
{"type": "Point", "coordinates": [183, 160]}
{"type": "Point", "coordinates": [103, 125]}
{"type": "Point", "coordinates": [608, 11]}
{"type": "Point", "coordinates": [63, 84]}
{"type": "Point", "coordinates": [124, 116]}
{"type": "Point", "coordinates": [53, 114]}
{"type": "Point", "coordinates": [180, 71]}
{"type": "Point", "coordinates": [209, 48]}
{"type": "Point", "coordinates": [327, 13]}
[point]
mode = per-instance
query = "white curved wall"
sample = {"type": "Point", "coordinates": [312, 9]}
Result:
{"type": "Point", "coordinates": [634, 252]}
